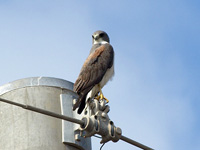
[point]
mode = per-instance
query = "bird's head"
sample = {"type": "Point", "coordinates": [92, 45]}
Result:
{"type": "Point", "coordinates": [100, 37]}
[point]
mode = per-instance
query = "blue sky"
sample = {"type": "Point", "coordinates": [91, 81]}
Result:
{"type": "Point", "coordinates": [154, 95]}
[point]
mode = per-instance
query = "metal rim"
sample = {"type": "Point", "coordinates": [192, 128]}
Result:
{"type": "Point", "coordinates": [36, 81]}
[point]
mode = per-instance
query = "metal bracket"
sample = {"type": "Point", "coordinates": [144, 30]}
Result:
{"type": "Point", "coordinates": [100, 123]}
{"type": "Point", "coordinates": [70, 132]}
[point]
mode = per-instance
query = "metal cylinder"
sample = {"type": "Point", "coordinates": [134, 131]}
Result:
{"type": "Point", "coordinates": [25, 130]}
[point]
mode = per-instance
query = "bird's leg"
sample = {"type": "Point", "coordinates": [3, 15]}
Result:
{"type": "Point", "coordinates": [101, 96]}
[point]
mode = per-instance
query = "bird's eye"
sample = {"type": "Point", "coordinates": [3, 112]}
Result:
{"type": "Point", "coordinates": [101, 35]}
{"type": "Point", "coordinates": [93, 36]}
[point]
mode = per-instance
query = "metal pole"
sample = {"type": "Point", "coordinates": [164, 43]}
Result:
{"type": "Point", "coordinates": [130, 141]}
{"type": "Point", "coordinates": [45, 112]}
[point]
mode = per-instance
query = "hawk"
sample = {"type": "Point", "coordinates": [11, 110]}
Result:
{"type": "Point", "coordinates": [96, 71]}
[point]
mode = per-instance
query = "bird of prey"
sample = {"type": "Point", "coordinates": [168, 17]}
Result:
{"type": "Point", "coordinates": [96, 71]}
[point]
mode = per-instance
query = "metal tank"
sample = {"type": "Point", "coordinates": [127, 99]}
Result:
{"type": "Point", "coordinates": [21, 129]}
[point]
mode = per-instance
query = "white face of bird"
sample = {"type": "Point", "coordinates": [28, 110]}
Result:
{"type": "Point", "coordinates": [100, 37]}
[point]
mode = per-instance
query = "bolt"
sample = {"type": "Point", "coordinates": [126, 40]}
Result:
{"type": "Point", "coordinates": [74, 101]}
{"type": "Point", "coordinates": [118, 131]}
{"type": "Point", "coordinates": [104, 115]}
{"type": "Point", "coordinates": [77, 137]}
{"type": "Point", "coordinates": [92, 105]}
{"type": "Point", "coordinates": [107, 109]}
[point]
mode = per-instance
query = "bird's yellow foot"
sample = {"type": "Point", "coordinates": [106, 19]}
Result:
{"type": "Point", "coordinates": [106, 99]}
{"type": "Point", "coordinates": [97, 97]}
{"type": "Point", "coordinates": [101, 97]}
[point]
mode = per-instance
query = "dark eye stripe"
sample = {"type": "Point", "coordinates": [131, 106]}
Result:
{"type": "Point", "coordinates": [101, 35]}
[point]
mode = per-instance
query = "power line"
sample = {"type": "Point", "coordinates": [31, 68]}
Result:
{"type": "Point", "coordinates": [102, 146]}
{"type": "Point", "coordinates": [77, 121]}
{"type": "Point", "coordinates": [130, 141]}
{"type": "Point", "coordinates": [45, 112]}
{"type": "Point", "coordinates": [97, 136]}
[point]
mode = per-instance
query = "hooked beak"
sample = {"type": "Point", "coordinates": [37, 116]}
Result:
{"type": "Point", "coordinates": [95, 37]}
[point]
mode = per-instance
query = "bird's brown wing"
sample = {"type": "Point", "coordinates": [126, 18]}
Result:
{"type": "Point", "coordinates": [93, 70]}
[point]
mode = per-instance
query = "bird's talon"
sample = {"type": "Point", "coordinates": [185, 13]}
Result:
{"type": "Point", "coordinates": [101, 97]}
{"type": "Point", "coordinates": [107, 101]}
{"type": "Point", "coordinates": [97, 97]}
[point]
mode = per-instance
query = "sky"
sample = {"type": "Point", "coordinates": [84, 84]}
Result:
{"type": "Point", "coordinates": [154, 95]}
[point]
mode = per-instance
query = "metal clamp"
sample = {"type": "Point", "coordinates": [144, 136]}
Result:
{"type": "Point", "coordinates": [100, 123]}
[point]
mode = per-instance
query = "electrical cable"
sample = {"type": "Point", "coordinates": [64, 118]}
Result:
{"type": "Point", "coordinates": [102, 146]}
{"type": "Point", "coordinates": [77, 121]}
{"type": "Point", "coordinates": [97, 136]}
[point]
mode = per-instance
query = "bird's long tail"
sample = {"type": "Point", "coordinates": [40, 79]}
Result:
{"type": "Point", "coordinates": [80, 103]}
